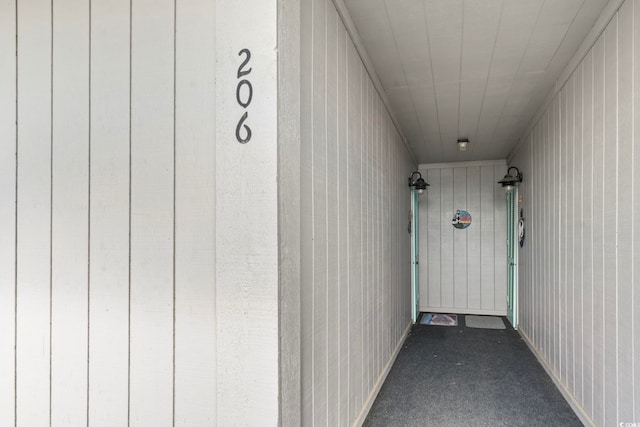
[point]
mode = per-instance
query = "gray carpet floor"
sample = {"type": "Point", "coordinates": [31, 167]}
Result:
{"type": "Point", "coordinates": [459, 376]}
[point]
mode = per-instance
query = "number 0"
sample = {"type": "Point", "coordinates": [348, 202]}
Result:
{"type": "Point", "coordinates": [247, 83]}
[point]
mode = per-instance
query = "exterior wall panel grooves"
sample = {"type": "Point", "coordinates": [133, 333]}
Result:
{"type": "Point", "coordinates": [589, 166]}
{"type": "Point", "coordinates": [111, 120]}
{"type": "Point", "coordinates": [464, 271]}
{"type": "Point", "coordinates": [360, 198]}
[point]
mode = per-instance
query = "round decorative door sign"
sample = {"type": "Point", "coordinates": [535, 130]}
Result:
{"type": "Point", "coordinates": [461, 219]}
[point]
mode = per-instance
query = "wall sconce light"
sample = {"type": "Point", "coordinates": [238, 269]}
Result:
{"type": "Point", "coordinates": [510, 180]}
{"type": "Point", "coordinates": [463, 143]}
{"type": "Point", "coordinates": [418, 184]}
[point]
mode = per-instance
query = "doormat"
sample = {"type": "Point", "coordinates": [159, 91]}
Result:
{"type": "Point", "coordinates": [484, 322]}
{"type": "Point", "coordinates": [437, 319]}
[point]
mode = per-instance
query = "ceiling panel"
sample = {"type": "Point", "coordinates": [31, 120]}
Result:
{"type": "Point", "coordinates": [444, 35]}
{"type": "Point", "coordinates": [559, 12]}
{"type": "Point", "coordinates": [410, 33]}
{"type": "Point", "coordinates": [481, 24]}
{"type": "Point", "coordinates": [480, 31]}
{"type": "Point", "coordinates": [469, 68]}
{"type": "Point", "coordinates": [424, 100]}
{"type": "Point", "coordinates": [471, 98]}
{"type": "Point", "coordinates": [406, 113]}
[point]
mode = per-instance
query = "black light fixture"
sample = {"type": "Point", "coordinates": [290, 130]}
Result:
{"type": "Point", "coordinates": [510, 180]}
{"type": "Point", "coordinates": [418, 184]}
{"type": "Point", "coordinates": [463, 143]}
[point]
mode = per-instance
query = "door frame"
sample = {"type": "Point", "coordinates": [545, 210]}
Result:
{"type": "Point", "coordinates": [512, 256]}
{"type": "Point", "coordinates": [415, 274]}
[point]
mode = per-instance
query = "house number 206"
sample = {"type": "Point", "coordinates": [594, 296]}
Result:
{"type": "Point", "coordinates": [244, 94]}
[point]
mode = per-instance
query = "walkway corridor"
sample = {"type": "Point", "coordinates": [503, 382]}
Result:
{"type": "Point", "coordinates": [460, 376]}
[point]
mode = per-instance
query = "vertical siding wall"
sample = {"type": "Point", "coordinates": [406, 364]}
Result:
{"type": "Point", "coordinates": [246, 216]}
{"type": "Point", "coordinates": [119, 183]}
{"type": "Point", "coordinates": [355, 246]}
{"type": "Point", "coordinates": [464, 271]}
{"type": "Point", "coordinates": [579, 278]}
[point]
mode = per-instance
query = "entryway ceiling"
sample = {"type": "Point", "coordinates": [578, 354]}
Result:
{"type": "Point", "coordinates": [469, 68]}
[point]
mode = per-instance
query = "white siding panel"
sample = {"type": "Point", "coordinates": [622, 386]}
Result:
{"type": "Point", "coordinates": [430, 277]}
{"type": "Point", "coordinates": [460, 256]}
{"type": "Point", "coordinates": [377, 264]}
{"type": "Point", "coordinates": [367, 242]}
{"type": "Point", "coordinates": [578, 279]}
{"type": "Point", "coordinates": [447, 256]}
{"type": "Point", "coordinates": [533, 236]}
{"type": "Point", "coordinates": [554, 208]}
{"type": "Point", "coordinates": [33, 253]}
{"type": "Point", "coordinates": [460, 267]}
{"type": "Point", "coordinates": [152, 209]}
{"type": "Point", "coordinates": [487, 238]}
{"type": "Point", "coordinates": [247, 238]}
{"type": "Point", "coordinates": [195, 292]}
{"type": "Point", "coordinates": [111, 114]}
{"type": "Point", "coordinates": [319, 204]}
{"type": "Point", "coordinates": [587, 238]}
{"type": "Point", "coordinates": [365, 126]}
{"type": "Point", "coordinates": [545, 264]}
{"type": "Point", "coordinates": [610, 228]}
{"type": "Point", "coordinates": [344, 224]}
{"type": "Point", "coordinates": [362, 212]}
{"type": "Point", "coordinates": [70, 213]}
{"type": "Point", "coordinates": [569, 233]}
{"type": "Point", "coordinates": [474, 261]}
{"type": "Point", "coordinates": [7, 210]}
{"type": "Point", "coordinates": [500, 241]}
{"type": "Point", "coordinates": [109, 216]}
{"type": "Point", "coordinates": [598, 226]}
{"type": "Point", "coordinates": [636, 206]}
{"type": "Point", "coordinates": [333, 238]}
{"type": "Point", "coordinates": [355, 246]}
{"type": "Point", "coordinates": [625, 272]}
{"type": "Point", "coordinates": [306, 219]}
{"type": "Point", "coordinates": [563, 225]}
{"type": "Point", "coordinates": [588, 170]}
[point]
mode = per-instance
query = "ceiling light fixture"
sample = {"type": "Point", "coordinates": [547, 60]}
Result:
{"type": "Point", "coordinates": [463, 143]}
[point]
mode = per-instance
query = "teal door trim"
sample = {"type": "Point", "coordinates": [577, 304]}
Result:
{"type": "Point", "coordinates": [512, 257]}
{"type": "Point", "coordinates": [415, 278]}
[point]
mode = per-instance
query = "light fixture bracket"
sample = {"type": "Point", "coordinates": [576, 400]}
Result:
{"type": "Point", "coordinates": [511, 180]}
{"type": "Point", "coordinates": [418, 184]}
